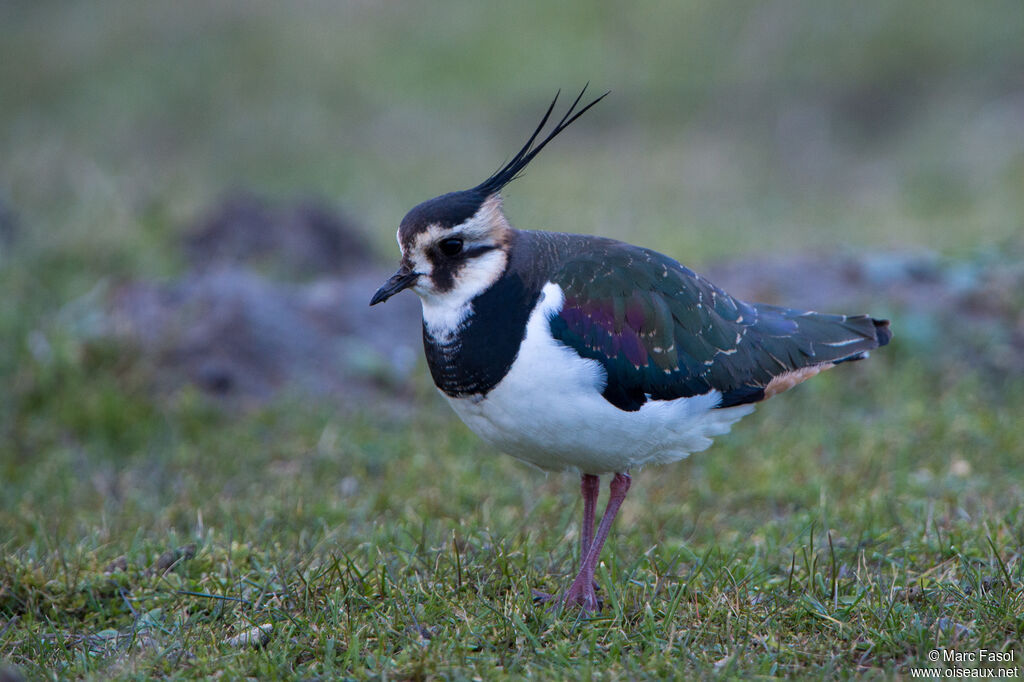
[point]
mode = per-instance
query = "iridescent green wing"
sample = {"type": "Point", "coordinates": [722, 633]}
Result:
{"type": "Point", "coordinates": [663, 332]}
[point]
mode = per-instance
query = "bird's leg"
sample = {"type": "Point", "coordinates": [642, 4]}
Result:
{"type": "Point", "coordinates": [581, 592]}
{"type": "Point", "coordinates": [590, 486]}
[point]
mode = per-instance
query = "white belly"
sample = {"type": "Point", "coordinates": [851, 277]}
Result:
{"type": "Point", "coordinates": [548, 411]}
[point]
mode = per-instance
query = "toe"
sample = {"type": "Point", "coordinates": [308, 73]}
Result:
{"type": "Point", "coordinates": [542, 597]}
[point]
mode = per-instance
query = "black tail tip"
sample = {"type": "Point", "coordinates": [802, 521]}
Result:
{"type": "Point", "coordinates": [882, 331]}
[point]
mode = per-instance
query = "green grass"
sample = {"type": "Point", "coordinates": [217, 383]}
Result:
{"type": "Point", "coordinates": [857, 541]}
{"type": "Point", "coordinates": [853, 525]}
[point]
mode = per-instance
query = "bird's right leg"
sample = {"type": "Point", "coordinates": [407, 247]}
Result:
{"type": "Point", "coordinates": [590, 487]}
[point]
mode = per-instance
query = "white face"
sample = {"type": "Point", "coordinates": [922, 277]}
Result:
{"type": "Point", "coordinates": [457, 264]}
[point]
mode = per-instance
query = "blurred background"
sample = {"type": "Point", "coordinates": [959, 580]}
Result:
{"type": "Point", "coordinates": [198, 199]}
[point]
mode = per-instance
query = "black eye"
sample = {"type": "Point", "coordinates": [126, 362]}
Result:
{"type": "Point", "coordinates": [450, 247]}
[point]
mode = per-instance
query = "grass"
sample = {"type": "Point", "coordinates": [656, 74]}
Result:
{"type": "Point", "coordinates": [851, 526]}
{"type": "Point", "coordinates": [854, 543]}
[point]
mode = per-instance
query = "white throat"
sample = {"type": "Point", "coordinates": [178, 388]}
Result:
{"type": "Point", "coordinates": [445, 312]}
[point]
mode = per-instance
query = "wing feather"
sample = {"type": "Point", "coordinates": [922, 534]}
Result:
{"type": "Point", "coordinates": [662, 332]}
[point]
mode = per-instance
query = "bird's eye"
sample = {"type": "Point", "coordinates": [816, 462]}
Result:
{"type": "Point", "coordinates": [450, 247]}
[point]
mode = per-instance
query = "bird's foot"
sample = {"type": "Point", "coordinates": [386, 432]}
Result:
{"type": "Point", "coordinates": [581, 597]}
{"type": "Point", "coordinates": [582, 594]}
{"type": "Point", "coordinates": [542, 597]}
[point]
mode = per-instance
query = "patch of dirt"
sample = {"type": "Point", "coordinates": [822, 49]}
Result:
{"type": "Point", "coordinates": [242, 333]}
{"type": "Point", "coordinates": [301, 239]}
{"type": "Point", "coordinates": [238, 334]}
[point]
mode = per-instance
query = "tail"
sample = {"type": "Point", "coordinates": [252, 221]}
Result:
{"type": "Point", "coordinates": [809, 338]}
{"type": "Point", "coordinates": [882, 336]}
{"type": "Point", "coordinates": [882, 331]}
{"type": "Point", "coordinates": [794, 345]}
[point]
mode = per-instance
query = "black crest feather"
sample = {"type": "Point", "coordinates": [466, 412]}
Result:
{"type": "Point", "coordinates": [511, 170]}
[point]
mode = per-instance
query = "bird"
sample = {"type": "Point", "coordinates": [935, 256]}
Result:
{"type": "Point", "coordinates": [586, 354]}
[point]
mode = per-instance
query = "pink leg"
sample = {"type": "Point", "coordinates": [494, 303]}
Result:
{"type": "Point", "coordinates": [581, 593]}
{"type": "Point", "coordinates": [590, 486]}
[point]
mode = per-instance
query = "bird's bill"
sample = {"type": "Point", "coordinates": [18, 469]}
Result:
{"type": "Point", "coordinates": [403, 279]}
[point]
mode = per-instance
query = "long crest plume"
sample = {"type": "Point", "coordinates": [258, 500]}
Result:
{"type": "Point", "coordinates": [514, 168]}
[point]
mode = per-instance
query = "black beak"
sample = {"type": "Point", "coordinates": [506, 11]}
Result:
{"type": "Point", "coordinates": [403, 279]}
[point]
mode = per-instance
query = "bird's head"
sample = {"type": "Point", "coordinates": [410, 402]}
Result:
{"type": "Point", "coordinates": [453, 246]}
{"type": "Point", "coordinates": [456, 245]}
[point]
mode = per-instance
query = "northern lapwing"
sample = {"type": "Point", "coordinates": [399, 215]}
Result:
{"type": "Point", "coordinates": [575, 352]}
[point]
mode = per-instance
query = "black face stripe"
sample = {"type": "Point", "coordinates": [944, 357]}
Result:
{"type": "Point", "coordinates": [474, 251]}
{"type": "Point", "coordinates": [445, 269]}
{"type": "Point", "coordinates": [443, 275]}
